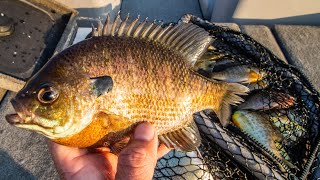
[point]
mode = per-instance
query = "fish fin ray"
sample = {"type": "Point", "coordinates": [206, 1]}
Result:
{"type": "Point", "coordinates": [292, 166]}
{"type": "Point", "coordinates": [116, 21]}
{"type": "Point", "coordinates": [117, 147]}
{"type": "Point", "coordinates": [184, 139]}
{"type": "Point", "coordinates": [231, 97]}
{"type": "Point", "coordinates": [105, 25]}
{"type": "Point", "coordinates": [148, 29]}
{"type": "Point", "coordinates": [189, 40]}
{"type": "Point", "coordinates": [132, 25]}
{"type": "Point", "coordinates": [193, 47]}
{"type": "Point", "coordinates": [123, 25]}
{"type": "Point", "coordinates": [94, 31]}
{"type": "Point", "coordinates": [155, 31]}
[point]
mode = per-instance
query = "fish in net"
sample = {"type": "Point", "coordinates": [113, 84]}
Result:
{"type": "Point", "coordinates": [282, 104]}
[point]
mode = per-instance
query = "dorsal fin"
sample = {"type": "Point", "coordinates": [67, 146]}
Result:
{"type": "Point", "coordinates": [190, 40]}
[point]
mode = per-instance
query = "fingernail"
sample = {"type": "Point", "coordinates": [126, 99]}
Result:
{"type": "Point", "coordinates": [144, 132]}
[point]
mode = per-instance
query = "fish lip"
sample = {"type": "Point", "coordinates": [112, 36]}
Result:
{"type": "Point", "coordinates": [17, 106]}
{"type": "Point", "coordinates": [14, 119]}
{"type": "Point", "coordinates": [21, 113]}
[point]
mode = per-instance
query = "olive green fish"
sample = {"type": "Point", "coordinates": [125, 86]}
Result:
{"type": "Point", "coordinates": [259, 127]}
{"type": "Point", "coordinates": [240, 74]}
{"type": "Point", "coordinates": [267, 100]}
{"type": "Point", "coordinates": [93, 93]}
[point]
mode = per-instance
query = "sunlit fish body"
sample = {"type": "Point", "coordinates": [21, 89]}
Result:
{"type": "Point", "coordinates": [93, 93]}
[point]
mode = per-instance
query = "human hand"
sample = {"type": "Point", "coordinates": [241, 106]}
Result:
{"type": "Point", "coordinates": [136, 161]}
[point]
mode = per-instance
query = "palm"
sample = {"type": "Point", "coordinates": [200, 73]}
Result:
{"type": "Point", "coordinates": [77, 163]}
{"type": "Point", "coordinates": [138, 158]}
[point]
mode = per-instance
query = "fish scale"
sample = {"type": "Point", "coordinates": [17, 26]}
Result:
{"type": "Point", "coordinates": [120, 77]}
{"type": "Point", "coordinates": [146, 102]}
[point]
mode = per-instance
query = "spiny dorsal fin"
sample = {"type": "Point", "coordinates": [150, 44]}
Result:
{"type": "Point", "coordinates": [190, 40]}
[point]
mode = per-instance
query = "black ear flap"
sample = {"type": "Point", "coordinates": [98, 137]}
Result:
{"type": "Point", "coordinates": [101, 85]}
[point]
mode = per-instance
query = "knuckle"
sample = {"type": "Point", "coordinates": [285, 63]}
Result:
{"type": "Point", "coordinates": [134, 157]}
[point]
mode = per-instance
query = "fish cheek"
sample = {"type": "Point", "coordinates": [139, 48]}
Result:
{"type": "Point", "coordinates": [45, 115]}
{"type": "Point", "coordinates": [58, 111]}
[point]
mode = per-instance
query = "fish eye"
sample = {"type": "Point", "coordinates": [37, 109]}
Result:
{"type": "Point", "coordinates": [47, 94]}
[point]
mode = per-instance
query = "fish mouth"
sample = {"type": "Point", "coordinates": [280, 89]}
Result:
{"type": "Point", "coordinates": [14, 119]}
{"type": "Point", "coordinates": [22, 115]}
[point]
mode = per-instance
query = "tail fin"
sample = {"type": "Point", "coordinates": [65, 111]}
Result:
{"type": "Point", "coordinates": [231, 97]}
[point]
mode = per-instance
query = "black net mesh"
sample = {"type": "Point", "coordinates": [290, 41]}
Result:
{"type": "Point", "coordinates": [314, 172]}
{"type": "Point", "coordinates": [182, 165]}
{"type": "Point", "coordinates": [279, 93]}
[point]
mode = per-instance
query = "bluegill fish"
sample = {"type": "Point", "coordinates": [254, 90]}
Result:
{"type": "Point", "coordinates": [93, 93]}
{"type": "Point", "coordinates": [280, 76]}
{"type": "Point", "coordinates": [223, 67]}
{"type": "Point", "coordinates": [215, 62]}
{"type": "Point", "coordinates": [259, 127]}
{"type": "Point", "coordinates": [227, 143]}
{"type": "Point", "coordinates": [239, 74]}
{"type": "Point", "coordinates": [267, 100]}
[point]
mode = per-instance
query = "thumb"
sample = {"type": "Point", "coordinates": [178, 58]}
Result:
{"type": "Point", "coordinates": [139, 158]}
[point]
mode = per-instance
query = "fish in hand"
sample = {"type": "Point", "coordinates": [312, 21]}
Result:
{"type": "Point", "coordinates": [95, 92]}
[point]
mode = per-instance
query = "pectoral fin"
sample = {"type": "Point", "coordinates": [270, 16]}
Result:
{"type": "Point", "coordinates": [117, 147]}
{"type": "Point", "coordinates": [111, 131]}
{"type": "Point", "coordinates": [184, 139]}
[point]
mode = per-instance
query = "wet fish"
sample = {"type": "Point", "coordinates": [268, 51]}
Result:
{"type": "Point", "coordinates": [265, 101]}
{"type": "Point", "coordinates": [224, 67]}
{"type": "Point", "coordinates": [280, 76]}
{"type": "Point", "coordinates": [239, 74]}
{"type": "Point", "coordinates": [93, 93]}
{"type": "Point", "coordinates": [235, 147]}
{"type": "Point", "coordinates": [214, 63]}
{"type": "Point", "coordinates": [258, 126]}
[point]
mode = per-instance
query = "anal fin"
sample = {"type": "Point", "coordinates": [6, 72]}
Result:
{"type": "Point", "coordinates": [186, 138]}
